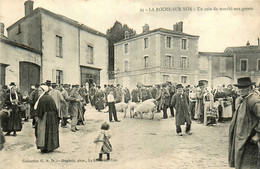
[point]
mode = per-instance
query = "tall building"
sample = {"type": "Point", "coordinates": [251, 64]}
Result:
{"type": "Point", "coordinates": [156, 56]}
{"type": "Point", "coordinates": [71, 52]}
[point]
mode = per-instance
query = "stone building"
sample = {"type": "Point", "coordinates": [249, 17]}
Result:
{"type": "Point", "coordinates": [71, 52]}
{"type": "Point", "coordinates": [156, 56]}
{"type": "Point", "coordinates": [225, 67]}
{"type": "Point", "coordinates": [19, 63]}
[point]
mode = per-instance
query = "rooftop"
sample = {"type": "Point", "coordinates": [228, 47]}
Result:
{"type": "Point", "coordinates": [243, 49]}
{"type": "Point", "coordinates": [59, 17]}
{"type": "Point", "coordinates": [215, 54]}
{"type": "Point", "coordinates": [163, 30]}
{"type": "Point", "coordinates": [8, 41]}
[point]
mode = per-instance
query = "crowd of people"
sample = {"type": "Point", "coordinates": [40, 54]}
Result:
{"type": "Point", "coordinates": [50, 104]}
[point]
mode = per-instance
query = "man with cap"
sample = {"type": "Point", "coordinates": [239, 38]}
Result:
{"type": "Point", "coordinates": [244, 131]}
{"type": "Point", "coordinates": [180, 101]}
{"type": "Point", "coordinates": [75, 107]}
{"type": "Point", "coordinates": [57, 97]}
{"type": "Point", "coordinates": [164, 100]}
{"type": "Point", "coordinates": [65, 105]}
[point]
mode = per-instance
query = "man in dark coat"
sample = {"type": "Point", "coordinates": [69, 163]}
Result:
{"type": "Point", "coordinates": [164, 99]}
{"type": "Point", "coordinates": [180, 101]}
{"type": "Point", "coordinates": [244, 131]}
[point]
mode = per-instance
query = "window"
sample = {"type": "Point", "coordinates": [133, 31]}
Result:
{"type": "Point", "coordinates": [183, 79]}
{"type": "Point", "coordinates": [168, 42]}
{"type": "Point", "coordinates": [146, 61]}
{"type": "Point", "coordinates": [165, 78]}
{"type": "Point", "coordinates": [19, 29]}
{"type": "Point", "coordinates": [243, 65]}
{"type": "Point", "coordinates": [184, 62]}
{"type": "Point", "coordinates": [59, 77]}
{"type": "Point", "coordinates": [126, 48]}
{"type": "Point", "coordinates": [90, 55]}
{"type": "Point", "coordinates": [145, 43]}
{"type": "Point", "coordinates": [258, 64]}
{"type": "Point", "coordinates": [168, 61]}
{"type": "Point", "coordinates": [184, 44]}
{"type": "Point", "coordinates": [58, 46]}
{"type": "Point", "coordinates": [222, 66]}
{"type": "Point", "coordinates": [126, 65]}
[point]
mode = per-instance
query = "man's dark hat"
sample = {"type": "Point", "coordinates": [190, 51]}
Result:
{"type": "Point", "coordinates": [179, 86]}
{"type": "Point", "coordinates": [48, 83]}
{"type": "Point", "coordinates": [54, 84]}
{"type": "Point", "coordinates": [66, 85]}
{"type": "Point", "coordinates": [75, 85]}
{"type": "Point", "coordinates": [12, 84]}
{"type": "Point", "coordinates": [244, 82]}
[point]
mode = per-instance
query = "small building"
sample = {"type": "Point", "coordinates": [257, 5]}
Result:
{"type": "Point", "coordinates": [19, 63]}
{"type": "Point", "coordinates": [71, 52]}
{"type": "Point", "coordinates": [246, 61]}
{"type": "Point", "coordinates": [156, 56]}
{"type": "Point", "coordinates": [216, 67]}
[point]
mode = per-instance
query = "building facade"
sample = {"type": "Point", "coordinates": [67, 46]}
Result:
{"type": "Point", "coordinates": [71, 52]}
{"type": "Point", "coordinates": [157, 56]}
{"type": "Point", "coordinates": [224, 68]}
{"type": "Point", "coordinates": [19, 63]}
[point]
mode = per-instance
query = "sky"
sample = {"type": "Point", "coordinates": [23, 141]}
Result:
{"type": "Point", "coordinates": [217, 22]}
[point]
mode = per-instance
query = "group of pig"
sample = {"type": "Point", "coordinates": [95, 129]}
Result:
{"type": "Point", "coordinates": [148, 106]}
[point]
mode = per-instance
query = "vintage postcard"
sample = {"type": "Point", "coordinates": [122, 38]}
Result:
{"type": "Point", "coordinates": [97, 52]}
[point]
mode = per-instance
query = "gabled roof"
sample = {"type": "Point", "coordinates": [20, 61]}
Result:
{"type": "Point", "coordinates": [8, 41]}
{"type": "Point", "coordinates": [243, 49]}
{"type": "Point", "coordinates": [59, 17]}
{"type": "Point", "coordinates": [162, 30]}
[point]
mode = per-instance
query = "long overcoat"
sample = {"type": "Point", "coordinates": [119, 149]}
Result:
{"type": "Point", "coordinates": [181, 104]}
{"type": "Point", "coordinates": [245, 123]}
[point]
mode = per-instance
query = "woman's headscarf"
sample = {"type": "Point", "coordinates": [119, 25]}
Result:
{"type": "Point", "coordinates": [45, 89]}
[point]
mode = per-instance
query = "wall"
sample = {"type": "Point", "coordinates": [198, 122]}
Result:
{"type": "Point", "coordinates": [176, 52]}
{"type": "Point", "coordinates": [252, 65]}
{"type": "Point", "coordinates": [30, 32]}
{"type": "Point", "coordinates": [69, 63]}
{"type": "Point", "coordinates": [100, 53]}
{"type": "Point", "coordinates": [12, 55]}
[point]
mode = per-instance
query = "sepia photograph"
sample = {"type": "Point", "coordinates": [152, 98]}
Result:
{"type": "Point", "coordinates": [129, 84]}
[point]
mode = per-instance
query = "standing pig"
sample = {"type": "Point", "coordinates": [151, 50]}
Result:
{"type": "Point", "coordinates": [121, 107]}
{"type": "Point", "coordinates": [147, 106]}
{"type": "Point", "coordinates": [131, 107]}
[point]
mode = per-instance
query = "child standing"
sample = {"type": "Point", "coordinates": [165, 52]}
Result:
{"type": "Point", "coordinates": [102, 142]}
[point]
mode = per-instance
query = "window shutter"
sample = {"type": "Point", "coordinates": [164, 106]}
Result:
{"type": "Point", "coordinates": [180, 62]}
{"type": "Point", "coordinates": [53, 75]}
{"type": "Point", "coordinates": [172, 61]}
{"type": "Point", "coordinates": [188, 62]}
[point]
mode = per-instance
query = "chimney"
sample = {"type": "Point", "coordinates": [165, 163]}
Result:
{"type": "Point", "coordinates": [28, 7]}
{"type": "Point", "coordinates": [247, 44]}
{"type": "Point", "coordinates": [145, 28]}
{"type": "Point", "coordinates": [2, 28]}
{"type": "Point", "coordinates": [127, 34]}
{"type": "Point", "coordinates": [180, 26]}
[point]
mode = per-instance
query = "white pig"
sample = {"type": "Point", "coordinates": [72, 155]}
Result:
{"type": "Point", "coordinates": [121, 107]}
{"type": "Point", "coordinates": [131, 107]}
{"type": "Point", "coordinates": [148, 106]}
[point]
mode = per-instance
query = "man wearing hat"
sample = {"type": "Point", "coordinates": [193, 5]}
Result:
{"type": "Point", "coordinates": [180, 101]}
{"type": "Point", "coordinates": [57, 97]}
{"type": "Point", "coordinates": [75, 107]}
{"type": "Point", "coordinates": [244, 131]}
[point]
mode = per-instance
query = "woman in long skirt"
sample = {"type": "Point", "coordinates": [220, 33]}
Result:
{"type": "Point", "coordinates": [13, 122]}
{"type": "Point", "coordinates": [47, 119]}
